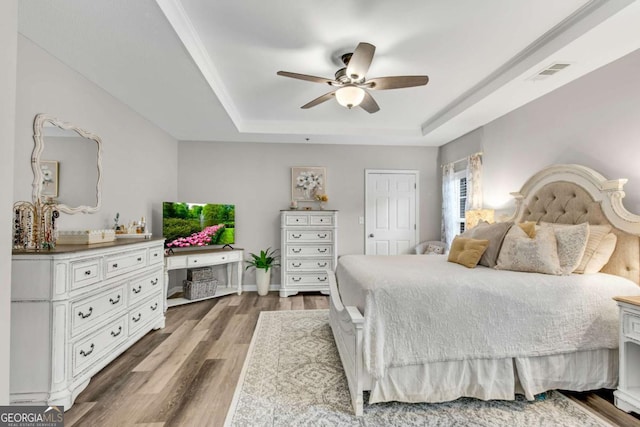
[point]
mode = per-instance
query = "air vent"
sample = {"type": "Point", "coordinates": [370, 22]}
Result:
{"type": "Point", "coordinates": [549, 71]}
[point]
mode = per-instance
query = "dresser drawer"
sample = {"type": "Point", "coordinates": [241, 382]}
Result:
{"type": "Point", "coordinates": [296, 219]}
{"type": "Point", "coordinates": [309, 264]}
{"type": "Point", "coordinates": [88, 312]}
{"type": "Point", "coordinates": [141, 287]}
{"type": "Point", "coordinates": [307, 279]}
{"type": "Point", "coordinates": [631, 326]}
{"type": "Point", "coordinates": [309, 236]}
{"type": "Point", "coordinates": [126, 262]}
{"type": "Point", "coordinates": [156, 256]}
{"type": "Point", "coordinates": [321, 219]}
{"type": "Point", "coordinates": [84, 273]}
{"type": "Point", "coordinates": [89, 350]}
{"type": "Point", "coordinates": [309, 250]}
{"type": "Point", "coordinates": [144, 313]}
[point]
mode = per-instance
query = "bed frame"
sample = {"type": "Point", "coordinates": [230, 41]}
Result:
{"type": "Point", "coordinates": [568, 194]}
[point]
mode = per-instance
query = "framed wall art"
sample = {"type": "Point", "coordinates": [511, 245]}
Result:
{"type": "Point", "coordinates": [307, 182]}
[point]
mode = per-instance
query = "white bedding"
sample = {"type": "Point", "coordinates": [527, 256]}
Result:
{"type": "Point", "coordinates": [423, 309]}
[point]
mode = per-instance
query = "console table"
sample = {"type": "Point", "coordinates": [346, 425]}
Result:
{"type": "Point", "coordinates": [232, 258]}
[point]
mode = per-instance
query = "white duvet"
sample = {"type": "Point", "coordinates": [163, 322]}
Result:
{"type": "Point", "coordinates": [421, 309]}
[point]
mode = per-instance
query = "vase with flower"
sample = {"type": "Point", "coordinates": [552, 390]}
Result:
{"type": "Point", "coordinates": [323, 199]}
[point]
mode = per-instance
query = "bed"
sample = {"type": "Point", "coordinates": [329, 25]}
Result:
{"type": "Point", "coordinates": [482, 332]}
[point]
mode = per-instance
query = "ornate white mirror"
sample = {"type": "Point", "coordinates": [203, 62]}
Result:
{"type": "Point", "coordinates": [66, 163]}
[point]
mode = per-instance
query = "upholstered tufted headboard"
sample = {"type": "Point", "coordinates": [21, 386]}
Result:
{"type": "Point", "coordinates": [573, 194]}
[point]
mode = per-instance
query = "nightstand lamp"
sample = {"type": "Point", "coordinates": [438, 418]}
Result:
{"type": "Point", "coordinates": [472, 217]}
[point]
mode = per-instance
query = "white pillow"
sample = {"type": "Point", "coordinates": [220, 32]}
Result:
{"type": "Point", "coordinates": [596, 234]}
{"type": "Point", "coordinates": [602, 254]}
{"type": "Point", "coordinates": [572, 242]}
{"type": "Point", "coordinates": [539, 254]}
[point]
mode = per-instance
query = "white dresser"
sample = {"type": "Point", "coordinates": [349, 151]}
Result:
{"type": "Point", "coordinates": [76, 308]}
{"type": "Point", "coordinates": [627, 396]}
{"type": "Point", "coordinates": [309, 249]}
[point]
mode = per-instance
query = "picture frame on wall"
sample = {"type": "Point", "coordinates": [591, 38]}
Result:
{"type": "Point", "coordinates": [307, 182]}
{"type": "Point", "coordinates": [50, 174]}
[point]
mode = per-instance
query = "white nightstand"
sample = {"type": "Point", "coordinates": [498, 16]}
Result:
{"type": "Point", "coordinates": [627, 396]}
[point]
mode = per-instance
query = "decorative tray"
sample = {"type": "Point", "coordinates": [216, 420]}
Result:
{"type": "Point", "coordinates": [84, 237]}
{"type": "Point", "coordinates": [133, 236]}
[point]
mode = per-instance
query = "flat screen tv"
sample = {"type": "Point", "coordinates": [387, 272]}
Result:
{"type": "Point", "coordinates": [186, 225]}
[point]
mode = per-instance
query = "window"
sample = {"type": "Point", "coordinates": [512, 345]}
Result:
{"type": "Point", "coordinates": [460, 188]}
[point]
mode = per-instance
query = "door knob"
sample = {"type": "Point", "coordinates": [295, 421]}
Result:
{"type": "Point", "coordinates": [371, 235]}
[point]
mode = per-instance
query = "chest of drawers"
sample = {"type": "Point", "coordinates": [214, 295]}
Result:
{"type": "Point", "coordinates": [75, 309]}
{"type": "Point", "coordinates": [309, 249]}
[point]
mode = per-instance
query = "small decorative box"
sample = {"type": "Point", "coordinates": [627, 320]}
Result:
{"type": "Point", "coordinates": [202, 273]}
{"type": "Point", "coordinates": [199, 289]}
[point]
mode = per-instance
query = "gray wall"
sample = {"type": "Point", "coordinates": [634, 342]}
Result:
{"type": "Point", "coordinates": [257, 179]}
{"type": "Point", "coordinates": [8, 58]}
{"type": "Point", "coordinates": [593, 121]}
{"type": "Point", "coordinates": [139, 159]}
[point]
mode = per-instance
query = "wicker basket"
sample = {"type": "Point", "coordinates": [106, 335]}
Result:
{"type": "Point", "coordinates": [202, 273]}
{"type": "Point", "coordinates": [199, 289]}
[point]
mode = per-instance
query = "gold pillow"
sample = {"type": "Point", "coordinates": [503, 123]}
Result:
{"type": "Point", "coordinates": [467, 251]}
{"type": "Point", "coordinates": [528, 227]}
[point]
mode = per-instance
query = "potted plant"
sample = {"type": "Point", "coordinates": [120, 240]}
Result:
{"type": "Point", "coordinates": [262, 263]}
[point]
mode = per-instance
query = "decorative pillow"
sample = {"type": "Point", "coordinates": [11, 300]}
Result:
{"type": "Point", "coordinates": [602, 254]}
{"type": "Point", "coordinates": [536, 255]}
{"type": "Point", "coordinates": [596, 234]}
{"type": "Point", "coordinates": [528, 227]}
{"type": "Point", "coordinates": [494, 233]}
{"type": "Point", "coordinates": [467, 251]}
{"type": "Point", "coordinates": [572, 241]}
{"type": "Point", "coordinates": [434, 249]}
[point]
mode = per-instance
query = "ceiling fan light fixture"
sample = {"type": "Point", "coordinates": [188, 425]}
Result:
{"type": "Point", "coordinates": [350, 96]}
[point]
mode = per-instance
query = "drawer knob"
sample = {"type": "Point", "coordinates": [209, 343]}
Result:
{"type": "Point", "coordinates": [115, 334]}
{"type": "Point", "coordinates": [139, 259]}
{"type": "Point", "coordinates": [296, 251]}
{"type": "Point", "coordinates": [86, 353]}
{"type": "Point", "coordinates": [87, 273]}
{"type": "Point", "coordinates": [154, 307]}
{"type": "Point", "coordinates": [322, 236]}
{"type": "Point", "coordinates": [296, 264]}
{"type": "Point", "coordinates": [154, 282]}
{"type": "Point", "coordinates": [297, 220]}
{"type": "Point", "coordinates": [84, 316]}
{"type": "Point", "coordinates": [195, 260]}
{"type": "Point", "coordinates": [322, 279]}
{"type": "Point", "coordinates": [115, 265]}
{"type": "Point", "coordinates": [296, 279]}
{"type": "Point", "coordinates": [323, 250]}
{"type": "Point", "coordinates": [138, 318]}
{"type": "Point", "coordinates": [114, 301]}
{"type": "Point", "coordinates": [324, 264]}
{"type": "Point", "coordinates": [137, 291]}
{"type": "Point", "coordinates": [296, 236]}
{"type": "Point", "coordinates": [155, 255]}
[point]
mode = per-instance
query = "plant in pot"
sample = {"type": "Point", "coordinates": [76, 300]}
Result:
{"type": "Point", "coordinates": [263, 263]}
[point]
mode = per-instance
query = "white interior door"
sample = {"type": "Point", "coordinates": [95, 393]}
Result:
{"type": "Point", "coordinates": [391, 215]}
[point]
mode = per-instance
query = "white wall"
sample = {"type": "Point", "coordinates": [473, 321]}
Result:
{"type": "Point", "coordinates": [8, 57]}
{"type": "Point", "coordinates": [139, 159]}
{"type": "Point", "coordinates": [257, 179]}
{"type": "Point", "coordinates": [593, 121]}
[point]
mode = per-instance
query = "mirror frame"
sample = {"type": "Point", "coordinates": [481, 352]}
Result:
{"type": "Point", "coordinates": [38, 138]}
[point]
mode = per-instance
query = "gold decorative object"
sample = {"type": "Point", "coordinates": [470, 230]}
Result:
{"type": "Point", "coordinates": [34, 225]}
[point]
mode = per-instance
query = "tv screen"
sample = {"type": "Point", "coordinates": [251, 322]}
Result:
{"type": "Point", "coordinates": [187, 225]}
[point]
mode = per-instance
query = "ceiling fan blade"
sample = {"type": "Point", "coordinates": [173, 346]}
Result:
{"type": "Point", "coordinates": [305, 77]}
{"type": "Point", "coordinates": [319, 100]}
{"type": "Point", "coordinates": [396, 82]}
{"type": "Point", "coordinates": [369, 104]}
{"type": "Point", "coordinates": [360, 61]}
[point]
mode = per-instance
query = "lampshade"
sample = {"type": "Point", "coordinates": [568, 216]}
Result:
{"type": "Point", "coordinates": [472, 217]}
{"type": "Point", "coordinates": [350, 96]}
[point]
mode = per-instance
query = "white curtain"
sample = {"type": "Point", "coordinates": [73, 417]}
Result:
{"type": "Point", "coordinates": [449, 228]}
{"type": "Point", "coordinates": [474, 182]}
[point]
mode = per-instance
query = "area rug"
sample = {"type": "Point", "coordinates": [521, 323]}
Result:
{"type": "Point", "coordinates": [293, 377]}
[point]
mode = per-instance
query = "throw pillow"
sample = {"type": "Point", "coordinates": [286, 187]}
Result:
{"type": "Point", "coordinates": [528, 227]}
{"type": "Point", "coordinates": [572, 242]}
{"type": "Point", "coordinates": [536, 255]}
{"type": "Point", "coordinates": [467, 251]}
{"type": "Point", "coordinates": [434, 249]}
{"type": "Point", "coordinates": [494, 233]}
{"type": "Point", "coordinates": [602, 254]}
{"type": "Point", "coordinates": [596, 234]}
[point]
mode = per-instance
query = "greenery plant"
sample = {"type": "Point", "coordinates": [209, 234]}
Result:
{"type": "Point", "coordinates": [266, 260]}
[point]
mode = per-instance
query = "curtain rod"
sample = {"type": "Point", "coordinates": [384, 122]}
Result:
{"type": "Point", "coordinates": [464, 159]}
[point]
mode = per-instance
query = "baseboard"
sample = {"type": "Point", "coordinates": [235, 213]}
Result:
{"type": "Point", "coordinates": [254, 288]}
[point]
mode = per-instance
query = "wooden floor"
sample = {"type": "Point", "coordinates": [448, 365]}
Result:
{"type": "Point", "coordinates": [186, 373]}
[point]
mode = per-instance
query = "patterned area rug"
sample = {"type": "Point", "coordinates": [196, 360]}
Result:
{"type": "Point", "coordinates": [293, 377]}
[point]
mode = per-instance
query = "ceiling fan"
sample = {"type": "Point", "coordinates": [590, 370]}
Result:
{"type": "Point", "coordinates": [351, 84]}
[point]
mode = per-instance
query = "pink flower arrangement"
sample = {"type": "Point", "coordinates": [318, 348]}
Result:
{"type": "Point", "coordinates": [202, 238]}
